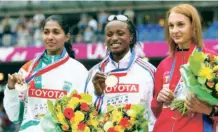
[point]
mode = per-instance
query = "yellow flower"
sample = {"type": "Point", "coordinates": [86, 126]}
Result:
{"type": "Point", "coordinates": [216, 87]}
{"type": "Point", "coordinates": [131, 113]}
{"type": "Point", "coordinates": [119, 128]}
{"type": "Point", "coordinates": [215, 68]}
{"type": "Point", "coordinates": [117, 116]}
{"type": "Point", "coordinates": [61, 117]}
{"type": "Point", "coordinates": [84, 101]}
{"type": "Point", "coordinates": [73, 102]}
{"type": "Point", "coordinates": [206, 72]}
{"type": "Point", "coordinates": [74, 130]}
{"type": "Point", "coordinates": [74, 127]}
{"type": "Point", "coordinates": [79, 116]}
{"type": "Point", "coordinates": [92, 120]}
{"type": "Point", "coordinates": [132, 120]}
{"type": "Point", "coordinates": [93, 123]}
{"type": "Point", "coordinates": [87, 129]}
{"type": "Point", "coordinates": [58, 108]}
{"type": "Point", "coordinates": [72, 121]}
{"type": "Point", "coordinates": [107, 125]}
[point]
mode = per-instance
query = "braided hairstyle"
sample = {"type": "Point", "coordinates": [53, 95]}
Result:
{"type": "Point", "coordinates": [133, 31]}
{"type": "Point", "coordinates": [64, 25]}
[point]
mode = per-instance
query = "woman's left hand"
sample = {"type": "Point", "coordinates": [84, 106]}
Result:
{"type": "Point", "coordinates": [195, 105]}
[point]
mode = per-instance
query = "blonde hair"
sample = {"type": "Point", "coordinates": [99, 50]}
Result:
{"type": "Point", "coordinates": [193, 15]}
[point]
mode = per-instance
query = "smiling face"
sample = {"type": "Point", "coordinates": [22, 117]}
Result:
{"type": "Point", "coordinates": [54, 38]}
{"type": "Point", "coordinates": [180, 29]}
{"type": "Point", "coordinates": [118, 38]}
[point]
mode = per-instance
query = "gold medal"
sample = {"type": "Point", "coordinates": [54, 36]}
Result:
{"type": "Point", "coordinates": [111, 81]}
{"type": "Point", "coordinates": [21, 87]}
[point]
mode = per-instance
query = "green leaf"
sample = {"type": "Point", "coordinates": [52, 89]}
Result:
{"type": "Point", "coordinates": [206, 89]}
{"type": "Point", "coordinates": [144, 126]}
{"type": "Point", "coordinates": [202, 80]}
{"type": "Point", "coordinates": [50, 106]}
{"type": "Point", "coordinates": [51, 109]}
{"type": "Point", "coordinates": [195, 61]}
{"type": "Point", "coordinates": [192, 80]}
{"type": "Point", "coordinates": [86, 97]}
{"type": "Point", "coordinates": [110, 108]}
{"type": "Point", "coordinates": [139, 108]}
{"type": "Point", "coordinates": [188, 77]}
{"type": "Point", "coordinates": [73, 92]}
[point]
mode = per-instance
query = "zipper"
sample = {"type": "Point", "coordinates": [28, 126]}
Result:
{"type": "Point", "coordinates": [175, 120]}
{"type": "Point", "coordinates": [118, 77]}
{"type": "Point", "coordinates": [182, 56]}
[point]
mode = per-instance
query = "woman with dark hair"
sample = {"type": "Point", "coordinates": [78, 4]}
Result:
{"type": "Point", "coordinates": [184, 35]}
{"type": "Point", "coordinates": [122, 77]}
{"type": "Point", "coordinates": [50, 75]}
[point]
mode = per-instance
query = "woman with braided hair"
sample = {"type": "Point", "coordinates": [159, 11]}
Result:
{"type": "Point", "coordinates": [122, 77]}
{"type": "Point", "coordinates": [50, 75]}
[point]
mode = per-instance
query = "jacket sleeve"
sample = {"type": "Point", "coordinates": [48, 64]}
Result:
{"type": "Point", "coordinates": [155, 105]}
{"type": "Point", "coordinates": [149, 97]}
{"type": "Point", "coordinates": [14, 101]}
{"type": "Point", "coordinates": [13, 106]}
{"type": "Point", "coordinates": [89, 87]}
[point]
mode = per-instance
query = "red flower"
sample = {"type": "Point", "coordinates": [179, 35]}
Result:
{"type": "Point", "coordinates": [81, 126]}
{"type": "Point", "coordinates": [124, 122]}
{"type": "Point", "coordinates": [77, 96]}
{"type": "Point", "coordinates": [69, 113]}
{"type": "Point", "coordinates": [84, 107]}
{"type": "Point", "coordinates": [127, 106]}
{"type": "Point", "coordinates": [111, 130]}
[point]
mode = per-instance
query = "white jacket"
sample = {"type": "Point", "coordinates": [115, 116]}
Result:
{"type": "Point", "coordinates": [30, 106]}
{"type": "Point", "coordinates": [136, 86]}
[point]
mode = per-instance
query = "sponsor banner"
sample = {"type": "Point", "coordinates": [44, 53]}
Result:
{"type": "Point", "coordinates": [94, 51]}
{"type": "Point", "coordinates": [46, 93]}
{"type": "Point", "coordinates": [123, 88]}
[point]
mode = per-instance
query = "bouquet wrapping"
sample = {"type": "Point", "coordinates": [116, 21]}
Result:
{"type": "Point", "coordinates": [200, 77]}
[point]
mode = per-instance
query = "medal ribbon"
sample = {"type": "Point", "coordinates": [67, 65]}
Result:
{"type": "Point", "coordinates": [172, 70]}
{"type": "Point", "coordinates": [118, 71]}
{"type": "Point", "coordinates": [47, 68]}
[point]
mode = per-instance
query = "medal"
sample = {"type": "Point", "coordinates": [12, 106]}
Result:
{"type": "Point", "coordinates": [111, 81]}
{"type": "Point", "coordinates": [21, 87]}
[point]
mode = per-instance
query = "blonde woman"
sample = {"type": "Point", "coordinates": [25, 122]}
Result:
{"type": "Point", "coordinates": [184, 35]}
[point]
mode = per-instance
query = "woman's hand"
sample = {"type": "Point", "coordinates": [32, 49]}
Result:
{"type": "Point", "coordinates": [15, 78]}
{"type": "Point", "coordinates": [99, 82]}
{"type": "Point", "coordinates": [165, 96]}
{"type": "Point", "coordinates": [195, 105]}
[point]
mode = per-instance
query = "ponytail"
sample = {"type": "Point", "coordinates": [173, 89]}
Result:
{"type": "Point", "coordinates": [69, 50]}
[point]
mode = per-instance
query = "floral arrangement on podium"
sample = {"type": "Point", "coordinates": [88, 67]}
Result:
{"type": "Point", "coordinates": [125, 118]}
{"type": "Point", "coordinates": [73, 113]}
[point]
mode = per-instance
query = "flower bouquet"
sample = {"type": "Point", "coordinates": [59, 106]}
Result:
{"type": "Point", "coordinates": [73, 113]}
{"type": "Point", "coordinates": [125, 118]}
{"type": "Point", "coordinates": [200, 77]}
